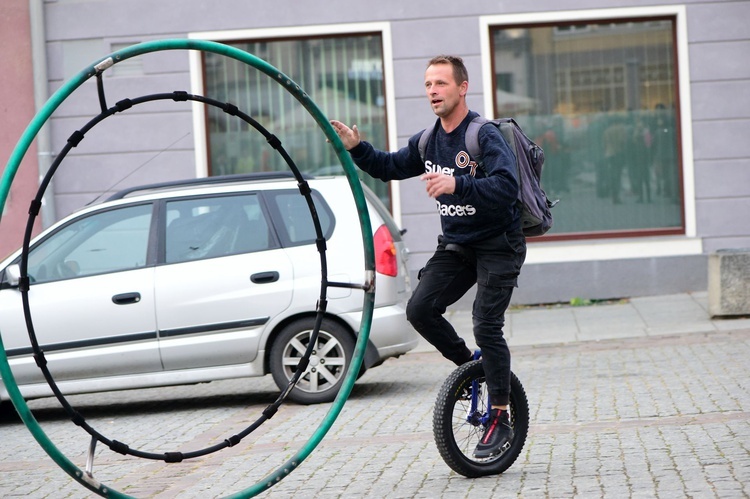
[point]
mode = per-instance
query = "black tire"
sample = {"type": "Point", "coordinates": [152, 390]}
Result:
{"type": "Point", "coordinates": [328, 364]}
{"type": "Point", "coordinates": [6, 407]}
{"type": "Point", "coordinates": [457, 432]}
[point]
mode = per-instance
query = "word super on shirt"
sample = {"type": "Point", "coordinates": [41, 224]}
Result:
{"type": "Point", "coordinates": [484, 202]}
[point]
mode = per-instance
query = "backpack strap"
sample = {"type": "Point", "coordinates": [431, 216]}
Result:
{"type": "Point", "coordinates": [507, 127]}
{"type": "Point", "coordinates": [472, 138]}
{"type": "Point", "coordinates": [423, 139]}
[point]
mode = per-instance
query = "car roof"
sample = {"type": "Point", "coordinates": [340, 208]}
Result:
{"type": "Point", "coordinates": [184, 184]}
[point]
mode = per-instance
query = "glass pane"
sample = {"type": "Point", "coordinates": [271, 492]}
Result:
{"type": "Point", "coordinates": [214, 227]}
{"type": "Point", "coordinates": [601, 100]}
{"type": "Point", "coordinates": [104, 242]}
{"type": "Point", "coordinates": [344, 77]}
{"type": "Point", "coordinates": [295, 223]}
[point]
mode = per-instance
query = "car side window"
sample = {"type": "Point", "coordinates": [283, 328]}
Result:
{"type": "Point", "coordinates": [295, 223]}
{"type": "Point", "coordinates": [108, 241]}
{"type": "Point", "coordinates": [215, 226]}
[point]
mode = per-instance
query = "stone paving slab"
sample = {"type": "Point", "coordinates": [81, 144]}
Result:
{"type": "Point", "coordinates": [665, 416]}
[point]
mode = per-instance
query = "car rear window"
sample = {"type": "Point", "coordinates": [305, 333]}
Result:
{"type": "Point", "coordinates": [292, 217]}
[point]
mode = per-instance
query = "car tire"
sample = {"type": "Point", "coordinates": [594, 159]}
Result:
{"type": "Point", "coordinates": [7, 411]}
{"type": "Point", "coordinates": [329, 362]}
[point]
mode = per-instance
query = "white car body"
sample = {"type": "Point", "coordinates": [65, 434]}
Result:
{"type": "Point", "coordinates": [171, 321]}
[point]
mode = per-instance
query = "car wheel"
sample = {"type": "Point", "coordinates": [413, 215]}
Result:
{"type": "Point", "coordinates": [328, 363]}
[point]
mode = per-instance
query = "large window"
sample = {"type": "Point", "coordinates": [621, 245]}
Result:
{"type": "Point", "coordinates": [601, 99]}
{"type": "Point", "coordinates": [343, 75]}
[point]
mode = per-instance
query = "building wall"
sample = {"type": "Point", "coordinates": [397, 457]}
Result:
{"type": "Point", "coordinates": [16, 110]}
{"type": "Point", "coordinates": [158, 143]}
{"type": "Point", "coordinates": [721, 118]}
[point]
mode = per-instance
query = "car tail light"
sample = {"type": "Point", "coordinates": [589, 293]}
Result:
{"type": "Point", "coordinates": [385, 252]}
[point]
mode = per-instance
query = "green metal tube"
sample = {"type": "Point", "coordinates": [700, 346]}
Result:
{"type": "Point", "coordinates": [364, 219]}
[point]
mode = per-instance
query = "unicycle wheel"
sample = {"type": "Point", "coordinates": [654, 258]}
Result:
{"type": "Point", "coordinates": [457, 423]}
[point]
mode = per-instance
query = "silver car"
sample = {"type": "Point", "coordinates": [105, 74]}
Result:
{"type": "Point", "coordinates": [203, 280]}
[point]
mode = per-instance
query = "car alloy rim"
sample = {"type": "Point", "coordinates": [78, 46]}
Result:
{"type": "Point", "coordinates": [327, 362]}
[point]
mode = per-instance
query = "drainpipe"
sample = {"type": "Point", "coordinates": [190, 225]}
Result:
{"type": "Point", "coordinates": [41, 94]}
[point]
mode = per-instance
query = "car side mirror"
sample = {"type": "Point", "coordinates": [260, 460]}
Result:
{"type": "Point", "coordinates": [13, 275]}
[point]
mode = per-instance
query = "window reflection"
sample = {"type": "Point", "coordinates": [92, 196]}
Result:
{"type": "Point", "coordinates": [342, 74]}
{"type": "Point", "coordinates": [215, 227]}
{"type": "Point", "coordinates": [600, 98]}
{"type": "Point", "coordinates": [109, 241]}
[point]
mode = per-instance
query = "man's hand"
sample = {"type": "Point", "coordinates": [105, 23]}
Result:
{"type": "Point", "coordinates": [349, 136]}
{"type": "Point", "coordinates": [438, 184]}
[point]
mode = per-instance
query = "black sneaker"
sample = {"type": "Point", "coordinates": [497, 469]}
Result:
{"type": "Point", "coordinates": [497, 435]}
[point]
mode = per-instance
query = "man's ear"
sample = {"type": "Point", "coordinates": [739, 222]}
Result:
{"type": "Point", "coordinates": [463, 88]}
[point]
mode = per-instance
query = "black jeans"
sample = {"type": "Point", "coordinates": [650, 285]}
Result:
{"type": "Point", "coordinates": [494, 265]}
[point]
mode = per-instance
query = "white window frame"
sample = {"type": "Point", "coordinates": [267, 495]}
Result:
{"type": "Point", "coordinates": [635, 247]}
{"type": "Point", "coordinates": [197, 84]}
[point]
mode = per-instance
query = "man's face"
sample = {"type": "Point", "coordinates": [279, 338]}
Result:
{"type": "Point", "coordinates": [442, 90]}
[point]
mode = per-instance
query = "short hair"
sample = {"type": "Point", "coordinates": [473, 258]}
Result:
{"type": "Point", "coordinates": [459, 70]}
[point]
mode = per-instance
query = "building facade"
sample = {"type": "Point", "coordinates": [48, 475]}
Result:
{"type": "Point", "coordinates": [639, 106]}
{"type": "Point", "coordinates": [16, 110]}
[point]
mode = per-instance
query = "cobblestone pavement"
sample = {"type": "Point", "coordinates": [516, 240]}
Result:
{"type": "Point", "coordinates": [666, 417]}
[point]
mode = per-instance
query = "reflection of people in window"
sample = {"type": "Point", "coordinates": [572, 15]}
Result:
{"type": "Point", "coordinates": [639, 168]}
{"type": "Point", "coordinates": [596, 149]}
{"type": "Point", "coordinates": [557, 163]}
{"type": "Point", "coordinates": [665, 164]}
{"type": "Point", "coordinates": [615, 155]}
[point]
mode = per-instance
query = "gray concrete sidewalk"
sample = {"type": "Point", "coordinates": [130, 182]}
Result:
{"type": "Point", "coordinates": [633, 318]}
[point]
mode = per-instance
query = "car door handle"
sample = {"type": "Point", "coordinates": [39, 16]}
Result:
{"type": "Point", "coordinates": [126, 298]}
{"type": "Point", "coordinates": [265, 277]}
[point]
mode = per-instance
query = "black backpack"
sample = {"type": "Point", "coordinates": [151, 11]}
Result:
{"type": "Point", "coordinates": [536, 217]}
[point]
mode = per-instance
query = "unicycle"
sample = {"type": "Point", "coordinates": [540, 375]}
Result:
{"type": "Point", "coordinates": [460, 416]}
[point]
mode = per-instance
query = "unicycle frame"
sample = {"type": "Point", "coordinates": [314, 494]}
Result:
{"type": "Point", "coordinates": [485, 417]}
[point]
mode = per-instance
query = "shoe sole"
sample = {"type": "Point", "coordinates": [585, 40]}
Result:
{"type": "Point", "coordinates": [503, 449]}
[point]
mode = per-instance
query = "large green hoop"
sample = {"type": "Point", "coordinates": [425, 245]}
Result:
{"type": "Point", "coordinates": [364, 219]}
